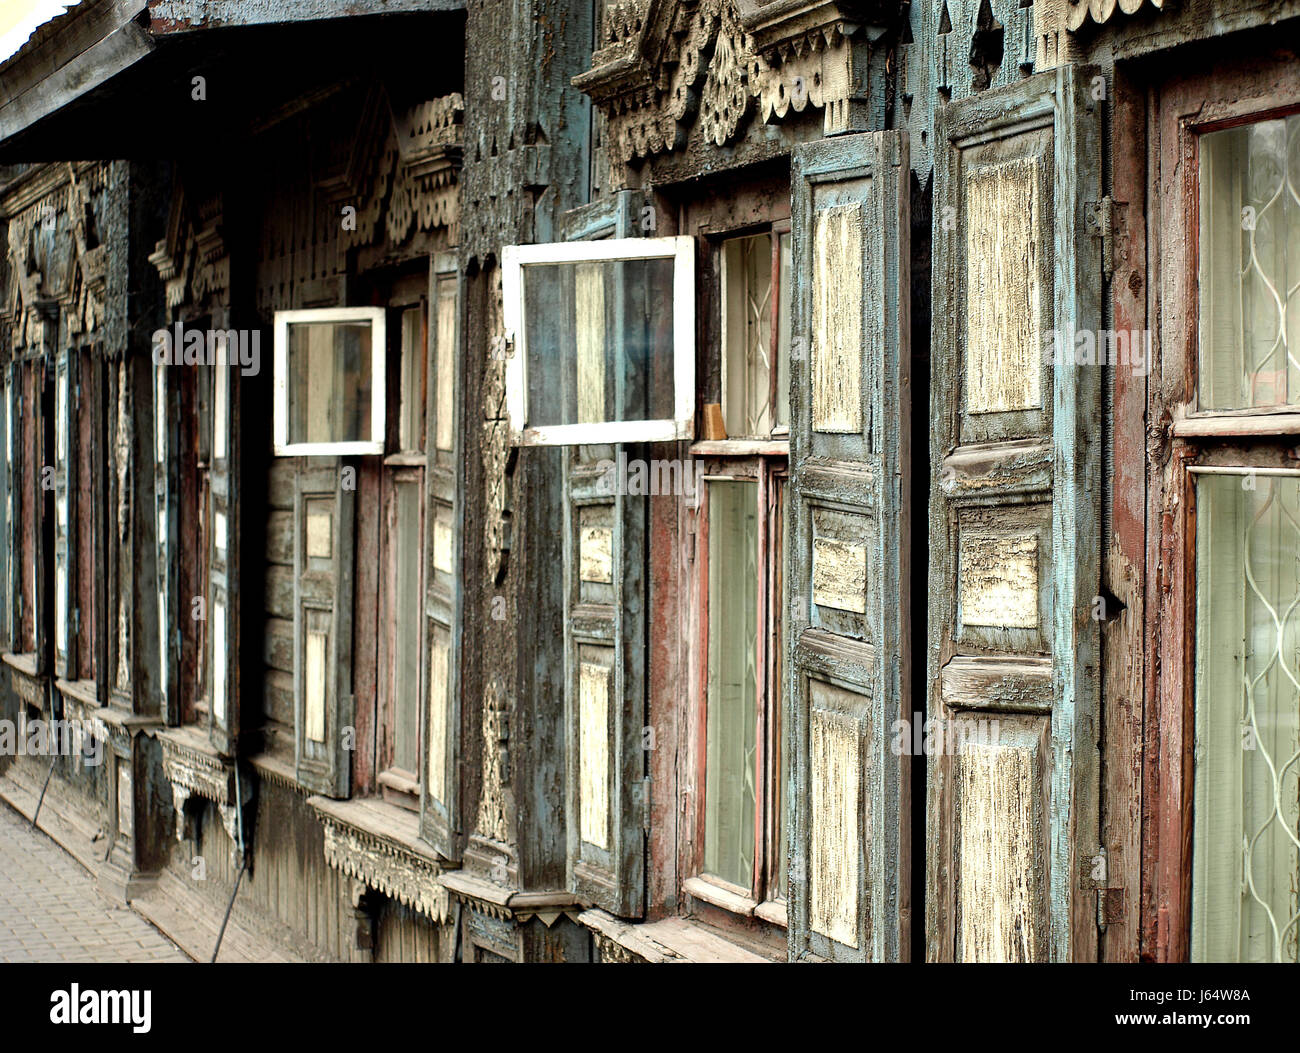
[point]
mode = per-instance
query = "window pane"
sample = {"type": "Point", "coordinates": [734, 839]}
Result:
{"type": "Point", "coordinates": [1245, 856]}
{"type": "Point", "coordinates": [411, 418]}
{"type": "Point", "coordinates": [747, 336]}
{"type": "Point", "coordinates": [1250, 266]}
{"type": "Point", "coordinates": [446, 364]}
{"type": "Point", "coordinates": [600, 341]}
{"type": "Point", "coordinates": [732, 715]}
{"type": "Point", "coordinates": [406, 639]}
{"type": "Point", "coordinates": [329, 379]}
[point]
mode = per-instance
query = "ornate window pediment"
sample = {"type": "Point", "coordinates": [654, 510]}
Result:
{"type": "Point", "coordinates": [665, 66]}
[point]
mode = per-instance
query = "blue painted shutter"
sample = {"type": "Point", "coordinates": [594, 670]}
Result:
{"type": "Point", "coordinates": [1015, 524]}
{"type": "Point", "coordinates": [849, 648]}
{"type": "Point", "coordinates": [324, 707]}
{"type": "Point", "coordinates": [223, 564]}
{"type": "Point", "coordinates": [440, 820]}
{"type": "Point", "coordinates": [605, 657]}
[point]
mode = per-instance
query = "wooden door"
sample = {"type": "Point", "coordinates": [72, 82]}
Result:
{"type": "Point", "coordinates": [849, 646]}
{"type": "Point", "coordinates": [1015, 525]}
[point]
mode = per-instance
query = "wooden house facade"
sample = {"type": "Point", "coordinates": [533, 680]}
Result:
{"type": "Point", "coordinates": [660, 480]}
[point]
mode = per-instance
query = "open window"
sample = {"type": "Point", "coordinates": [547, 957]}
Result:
{"type": "Point", "coordinates": [600, 341]}
{"type": "Point", "coordinates": [329, 381]}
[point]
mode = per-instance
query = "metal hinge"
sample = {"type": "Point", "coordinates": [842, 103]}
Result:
{"type": "Point", "coordinates": [641, 802]}
{"type": "Point", "coordinates": [1105, 219]}
{"type": "Point", "coordinates": [1097, 875]}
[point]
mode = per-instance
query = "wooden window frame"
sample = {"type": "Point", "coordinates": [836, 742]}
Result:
{"type": "Point", "coordinates": [1198, 442]}
{"type": "Point", "coordinates": [774, 230]}
{"type": "Point", "coordinates": [758, 898]}
{"type": "Point", "coordinates": [378, 387]}
{"type": "Point", "coordinates": [680, 249]}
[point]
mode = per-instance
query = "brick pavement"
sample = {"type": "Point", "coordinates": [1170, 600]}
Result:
{"type": "Point", "coordinates": [51, 911]}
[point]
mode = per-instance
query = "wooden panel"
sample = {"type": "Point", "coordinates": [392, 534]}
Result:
{"type": "Point", "coordinates": [839, 575]}
{"type": "Point", "coordinates": [595, 554]}
{"type": "Point", "coordinates": [589, 293]}
{"type": "Point", "coordinates": [1003, 347]}
{"type": "Point", "coordinates": [439, 656]}
{"type": "Point", "coordinates": [837, 326]}
{"type": "Point", "coordinates": [593, 753]}
{"type": "Point", "coordinates": [314, 685]}
{"type": "Point", "coordinates": [1000, 894]}
{"type": "Point", "coordinates": [835, 805]}
{"type": "Point", "coordinates": [998, 580]}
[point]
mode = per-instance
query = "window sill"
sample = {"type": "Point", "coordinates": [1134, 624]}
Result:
{"type": "Point", "coordinates": [741, 448]}
{"type": "Point", "coordinates": [1231, 424]}
{"type": "Point", "coordinates": [84, 691]}
{"type": "Point", "coordinates": [672, 940]}
{"type": "Point", "coordinates": [24, 663]}
{"type": "Point", "coordinates": [399, 789]}
{"type": "Point", "coordinates": [735, 902]}
{"type": "Point", "coordinates": [773, 912]}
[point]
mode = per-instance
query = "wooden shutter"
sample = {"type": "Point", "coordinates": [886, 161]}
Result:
{"type": "Point", "coordinates": [1015, 524]}
{"type": "Point", "coordinates": [849, 657]}
{"type": "Point", "coordinates": [64, 465]}
{"type": "Point", "coordinates": [604, 645]}
{"type": "Point", "coordinates": [440, 823]}
{"type": "Point", "coordinates": [324, 728]}
{"type": "Point", "coordinates": [223, 563]}
{"type": "Point", "coordinates": [164, 546]}
{"type": "Point", "coordinates": [7, 542]}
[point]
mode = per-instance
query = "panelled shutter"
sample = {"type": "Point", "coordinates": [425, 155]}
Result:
{"type": "Point", "coordinates": [849, 649]}
{"type": "Point", "coordinates": [164, 546]}
{"type": "Point", "coordinates": [605, 641]}
{"type": "Point", "coordinates": [38, 379]}
{"type": "Point", "coordinates": [440, 822]}
{"type": "Point", "coordinates": [6, 511]}
{"type": "Point", "coordinates": [223, 563]}
{"type": "Point", "coordinates": [1015, 524]}
{"type": "Point", "coordinates": [65, 485]}
{"type": "Point", "coordinates": [324, 707]}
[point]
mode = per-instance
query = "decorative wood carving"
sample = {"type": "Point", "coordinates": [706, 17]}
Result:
{"type": "Point", "coordinates": [664, 65]}
{"type": "Point", "coordinates": [493, 811]}
{"type": "Point", "coordinates": [386, 864]}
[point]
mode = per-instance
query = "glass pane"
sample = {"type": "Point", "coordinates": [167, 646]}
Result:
{"type": "Point", "coordinates": [747, 336]}
{"type": "Point", "coordinates": [600, 341]}
{"type": "Point", "coordinates": [446, 364]}
{"type": "Point", "coordinates": [406, 638]}
{"type": "Point", "coordinates": [1245, 852]}
{"type": "Point", "coordinates": [732, 716]}
{"type": "Point", "coordinates": [410, 420]}
{"type": "Point", "coordinates": [783, 339]}
{"type": "Point", "coordinates": [329, 381]}
{"type": "Point", "coordinates": [220, 411]}
{"type": "Point", "coordinates": [1250, 266]}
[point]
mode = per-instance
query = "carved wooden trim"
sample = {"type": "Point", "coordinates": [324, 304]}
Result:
{"type": "Point", "coordinates": [383, 860]}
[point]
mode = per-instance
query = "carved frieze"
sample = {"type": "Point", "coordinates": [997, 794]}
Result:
{"type": "Point", "coordinates": [386, 865]}
{"type": "Point", "coordinates": [665, 66]}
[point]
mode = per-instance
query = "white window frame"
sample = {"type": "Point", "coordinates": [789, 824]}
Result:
{"type": "Point", "coordinates": [376, 316]}
{"type": "Point", "coordinates": [681, 250]}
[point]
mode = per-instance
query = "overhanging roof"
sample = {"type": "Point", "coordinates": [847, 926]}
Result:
{"type": "Point", "coordinates": [112, 78]}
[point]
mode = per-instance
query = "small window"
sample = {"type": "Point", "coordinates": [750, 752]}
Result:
{"type": "Point", "coordinates": [411, 395]}
{"type": "Point", "coordinates": [742, 850]}
{"type": "Point", "coordinates": [329, 381]}
{"type": "Point", "coordinates": [1250, 227]}
{"type": "Point", "coordinates": [600, 341]}
{"type": "Point", "coordinates": [756, 335]}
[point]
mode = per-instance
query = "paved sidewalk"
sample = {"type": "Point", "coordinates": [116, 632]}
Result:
{"type": "Point", "coordinates": [51, 911]}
